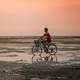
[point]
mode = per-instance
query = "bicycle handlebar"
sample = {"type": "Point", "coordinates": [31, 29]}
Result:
{"type": "Point", "coordinates": [40, 38]}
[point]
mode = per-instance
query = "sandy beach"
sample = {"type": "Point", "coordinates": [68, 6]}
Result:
{"type": "Point", "coordinates": [16, 62]}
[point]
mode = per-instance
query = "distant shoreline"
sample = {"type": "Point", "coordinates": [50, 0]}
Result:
{"type": "Point", "coordinates": [30, 39]}
{"type": "Point", "coordinates": [16, 37]}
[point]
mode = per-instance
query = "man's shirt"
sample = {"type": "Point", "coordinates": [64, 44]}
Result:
{"type": "Point", "coordinates": [48, 37]}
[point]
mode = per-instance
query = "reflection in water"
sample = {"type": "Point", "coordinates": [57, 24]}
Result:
{"type": "Point", "coordinates": [46, 58]}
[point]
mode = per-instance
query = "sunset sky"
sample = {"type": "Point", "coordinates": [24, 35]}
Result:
{"type": "Point", "coordinates": [29, 17]}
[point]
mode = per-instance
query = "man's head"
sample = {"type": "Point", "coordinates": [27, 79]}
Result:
{"type": "Point", "coordinates": [45, 29]}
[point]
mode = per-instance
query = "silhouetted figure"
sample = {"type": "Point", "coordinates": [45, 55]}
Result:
{"type": "Point", "coordinates": [46, 39]}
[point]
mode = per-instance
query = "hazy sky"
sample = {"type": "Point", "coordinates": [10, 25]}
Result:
{"type": "Point", "coordinates": [29, 17]}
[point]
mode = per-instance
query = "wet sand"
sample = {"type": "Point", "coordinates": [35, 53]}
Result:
{"type": "Point", "coordinates": [19, 66]}
{"type": "Point", "coordinates": [39, 71]}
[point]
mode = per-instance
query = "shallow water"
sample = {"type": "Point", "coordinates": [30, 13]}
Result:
{"type": "Point", "coordinates": [19, 50]}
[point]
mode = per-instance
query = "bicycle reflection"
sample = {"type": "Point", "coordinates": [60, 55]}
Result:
{"type": "Point", "coordinates": [44, 58]}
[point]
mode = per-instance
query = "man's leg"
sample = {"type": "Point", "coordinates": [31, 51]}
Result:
{"type": "Point", "coordinates": [45, 47]}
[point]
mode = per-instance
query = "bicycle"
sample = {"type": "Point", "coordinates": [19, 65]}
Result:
{"type": "Point", "coordinates": [40, 46]}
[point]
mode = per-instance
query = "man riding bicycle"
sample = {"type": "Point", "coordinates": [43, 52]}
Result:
{"type": "Point", "coordinates": [46, 39]}
{"type": "Point", "coordinates": [44, 44]}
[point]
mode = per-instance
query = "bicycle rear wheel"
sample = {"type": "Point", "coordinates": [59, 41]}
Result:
{"type": "Point", "coordinates": [36, 50]}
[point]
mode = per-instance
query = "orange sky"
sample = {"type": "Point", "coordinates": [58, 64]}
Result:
{"type": "Point", "coordinates": [29, 17]}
